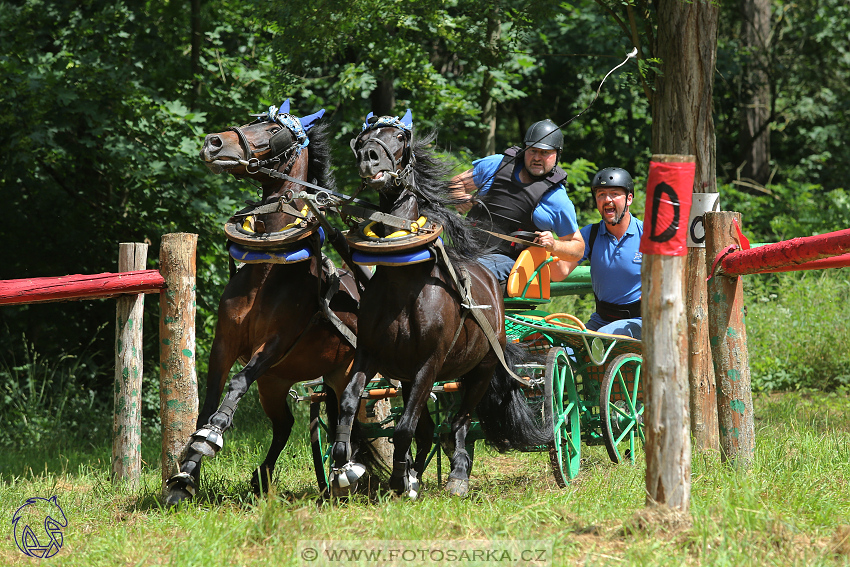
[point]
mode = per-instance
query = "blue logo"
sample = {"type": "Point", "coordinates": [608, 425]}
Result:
{"type": "Point", "coordinates": [39, 512]}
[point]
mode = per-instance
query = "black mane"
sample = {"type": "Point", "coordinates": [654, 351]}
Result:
{"type": "Point", "coordinates": [431, 186]}
{"type": "Point", "coordinates": [319, 166]}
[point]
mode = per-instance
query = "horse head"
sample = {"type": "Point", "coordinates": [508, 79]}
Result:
{"type": "Point", "coordinates": [276, 141]}
{"type": "Point", "coordinates": [385, 158]}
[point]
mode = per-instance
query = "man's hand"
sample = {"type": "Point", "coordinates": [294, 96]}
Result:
{"type": "Point", "coordinates": [460, 188]}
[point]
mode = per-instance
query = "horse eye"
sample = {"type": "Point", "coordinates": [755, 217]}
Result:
{"type": "Point", "coordinates": [274, 130]}
{"type": "Point", "coordinates": [400, 137]}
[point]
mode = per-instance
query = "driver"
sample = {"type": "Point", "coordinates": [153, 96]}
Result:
{"type": "Point", "coordinates": [613, 247]}
{"type": "Point", "coordinates": [522, 190]}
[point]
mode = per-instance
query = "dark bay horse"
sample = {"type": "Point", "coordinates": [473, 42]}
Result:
{"type": "Point", "coordinates": [270, 316]}
{"type": "Point", "coordinates": [416, 324]}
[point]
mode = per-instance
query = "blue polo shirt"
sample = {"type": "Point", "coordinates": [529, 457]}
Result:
{"type": "Point", "coordinates": [555, 211]}
{"type": "Point", "coordinates": [615, 266]}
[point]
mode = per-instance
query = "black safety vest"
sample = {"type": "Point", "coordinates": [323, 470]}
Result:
{"type": "Point", "coordinates": [508, 205]}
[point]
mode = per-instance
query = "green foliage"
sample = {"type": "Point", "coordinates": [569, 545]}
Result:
{"type": "Point", "coordinates": [47, 404]}
{"type": "Point", "coordinates": [798, 333]}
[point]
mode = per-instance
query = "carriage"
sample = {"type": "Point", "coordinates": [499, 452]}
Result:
{"type": "Point", "coordinates": [588, 383]}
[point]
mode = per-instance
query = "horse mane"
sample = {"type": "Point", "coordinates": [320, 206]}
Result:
{"type": "Point", "coordinates": [319, 165]}
{"type": "Point", "coordinates": [431, 187]}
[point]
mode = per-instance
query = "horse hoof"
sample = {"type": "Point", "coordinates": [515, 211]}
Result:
{"type": "Point", "coordinates": [179, 488]}
{"type": "Point", "coordinates": [344, 479]}
{"type": "Point", "coordinates": [261, 480]}
{"type": "Point", "coordinates": [458, 487]}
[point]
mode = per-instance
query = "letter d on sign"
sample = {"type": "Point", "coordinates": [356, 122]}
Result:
{"type": "Point", "coordinates": [668, 205]}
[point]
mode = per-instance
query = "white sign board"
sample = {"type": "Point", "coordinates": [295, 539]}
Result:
{"type": "Point", "coordinates": [701, 204]}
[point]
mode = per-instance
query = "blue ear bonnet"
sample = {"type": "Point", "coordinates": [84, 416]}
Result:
{"type": "Point", "coordinates": [405, 123]}
{"type": "Point", "coordinates": [298, 126]}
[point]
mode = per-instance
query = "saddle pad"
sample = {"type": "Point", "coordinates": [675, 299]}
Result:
{"type": "Point", "coordinates": [296, 254]}
{"type": "Point", "coordinates": [402, 258]}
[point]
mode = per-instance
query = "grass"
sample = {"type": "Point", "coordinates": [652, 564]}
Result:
{"type": "Point", "coordinates": [791, 508]}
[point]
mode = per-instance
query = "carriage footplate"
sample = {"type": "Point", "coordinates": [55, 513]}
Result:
{"type": "Point", "coordinates": [207, 440]}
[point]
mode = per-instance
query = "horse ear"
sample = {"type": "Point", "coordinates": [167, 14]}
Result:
{"type": "Point", "coordinates": [353, 141]}
{"type": "Point", "coordinates": [308, 122]}
{"type": "Point", "coordinates": [408, 119]}
{"type": "Point", "coordinates": [284, 108]}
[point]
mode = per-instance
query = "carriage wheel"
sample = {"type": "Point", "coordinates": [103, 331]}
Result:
{"type": "Point", "coordinates": [320, 445]}
{"type": "Point", "coordinates": [621, 411]}
{"type": "Point", "coordinates": [562, 411]}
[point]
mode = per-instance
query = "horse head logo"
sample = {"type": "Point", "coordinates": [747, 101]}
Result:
{"type": "Point", "coordinates": [36, 512]}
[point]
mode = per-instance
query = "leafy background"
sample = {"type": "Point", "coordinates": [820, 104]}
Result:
{"type": "Point", "coordinates": [103, 119]}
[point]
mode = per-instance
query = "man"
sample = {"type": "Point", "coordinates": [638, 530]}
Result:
{"type": "Point", "coordinates": [522, 190]}
{"type": "Point", "coordinates": [612, 246]}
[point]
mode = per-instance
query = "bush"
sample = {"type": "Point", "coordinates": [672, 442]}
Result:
{"type": "Point", "coordinates": [798, 330]}
{"type": "Point", "coordinates": [46, 404]}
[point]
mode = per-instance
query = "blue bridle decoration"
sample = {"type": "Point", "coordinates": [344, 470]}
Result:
{"type": "Point", "coordinates": [298, 126]}
{"type": "Point", "coordinates": [405, 123]}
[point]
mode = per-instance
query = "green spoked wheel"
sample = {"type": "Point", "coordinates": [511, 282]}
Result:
{"type": "Point", "coordinates": [621, 407]}
{"type": "Point", "coordinates": [563, 412]}
{"type": "Point", "coordinates": [320, 446]}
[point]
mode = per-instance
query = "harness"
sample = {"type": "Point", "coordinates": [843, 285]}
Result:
{"type": "Point", "coordinates": [611, 312]}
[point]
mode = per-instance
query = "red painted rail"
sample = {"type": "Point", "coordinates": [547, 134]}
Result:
{"type": "Point", "coordinates": [804, 253]}
{"type": "Point", "coordinates": [39, 290]}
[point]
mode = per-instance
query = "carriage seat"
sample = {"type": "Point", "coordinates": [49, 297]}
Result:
{"type": "Point", "coordinates": [530, 277]}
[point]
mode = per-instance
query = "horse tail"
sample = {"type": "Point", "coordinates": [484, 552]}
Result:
{"type": "Point", "coordinates": [364, 452]}
{"type": "Point", "coordinates": [508, 417]}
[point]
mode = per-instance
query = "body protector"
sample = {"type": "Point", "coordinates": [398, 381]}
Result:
{"type": "Point", "coordinates": [508, 205]}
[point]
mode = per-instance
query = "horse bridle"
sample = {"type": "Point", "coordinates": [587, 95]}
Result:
{"type": "Point", "coordinates": [399, 178]}
{"type": "Point", "coordinates": [254, 164]}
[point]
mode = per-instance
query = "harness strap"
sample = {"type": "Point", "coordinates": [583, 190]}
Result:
{"type": "Point", "coordinates": [325, 302]}
{"type": "Point", "coordinates": [477, 315]}
{"type": "Point", "coordinates": [371, 215]}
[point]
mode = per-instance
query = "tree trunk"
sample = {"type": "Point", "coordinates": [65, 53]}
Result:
{"type": "Point", "coordinates": [682, 123]}
{"type": "Point", "coordinates": [383, 97]}
{"type": "Point", "coordinates": [195, 58]}
{"type": "Point", "coordinates": [756, 99]}
{"type": "Point", "coordinates": [488, 104]}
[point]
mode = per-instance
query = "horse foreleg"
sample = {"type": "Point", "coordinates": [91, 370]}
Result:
{"type": "Point", "coordinates": [424, 437]}
{"type": "Point", "coordinates": [475, 383]}
{"type": "Point", "coordinates": [404, 478]}
{"type": "Point", "coordinates": [273, 395]}
{"type": "Point", "coordinates": [345, 472]}
{"type": "Point", "coordinates": [183, 485]}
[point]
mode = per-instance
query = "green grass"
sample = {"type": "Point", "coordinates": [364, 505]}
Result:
{"type": "Point", "coordinates": [791, 508]}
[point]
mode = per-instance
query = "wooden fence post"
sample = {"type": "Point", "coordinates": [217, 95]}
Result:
{"type": "Point", "coordinates": [703, 391]}
{"type": "Point", "coordinates": [127, 415]}
{"type": "Point", "coordinates": [665, 336]}
{"type": "Point", "coordinates": [178, 380]}
{"type": "Point", "coordinates": [728, 338]}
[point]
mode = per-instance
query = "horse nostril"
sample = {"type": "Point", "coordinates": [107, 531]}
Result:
{"type": "Point", "coordinates": [373, 155]}
{"type": "Point", "coordinates": [214, 141]}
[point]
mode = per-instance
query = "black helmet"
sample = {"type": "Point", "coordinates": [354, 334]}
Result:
{"type": "Point", "coordinates": [613, 177]}
{"type": "Point", "coordinates": [544, 135]}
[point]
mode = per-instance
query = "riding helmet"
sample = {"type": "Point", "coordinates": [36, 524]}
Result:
{"type": "Point", "coordinates": [544, 135]}
{"type": "Point", "coordinates": [613, 177]}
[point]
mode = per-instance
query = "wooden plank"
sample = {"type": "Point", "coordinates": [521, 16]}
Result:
{"type": "Point", "coordinates": [74, 287]}
{"type": "Point", "coordinates": [788, 253]}
{"type": "Point", "coordinates": [127, 413]}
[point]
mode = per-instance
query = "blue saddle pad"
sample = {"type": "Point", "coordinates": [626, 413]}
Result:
{"type": "Point", "coordinates": [257, 256]}
{"type": "Point", "coordinates": [404, 258]}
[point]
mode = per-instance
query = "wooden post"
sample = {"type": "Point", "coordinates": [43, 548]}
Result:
{"type": "Point", "coordinates": [127, 413]}
{"type": "Point", "coordinates": [178, 381]}
{"type": "Point", "coordinates": [703, 392]}
{"type": "Point", "coordinates": [665, 337]}
{"type": "Point", "coordinates": [728, 338]}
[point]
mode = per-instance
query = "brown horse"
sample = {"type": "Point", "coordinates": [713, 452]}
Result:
{"type": "Point", "coordinates": [270, 316]}
{"type": "Point", "coordinates": [417, 326]}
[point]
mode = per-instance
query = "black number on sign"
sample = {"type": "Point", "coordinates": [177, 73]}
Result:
{"type": "Point", "coordinates": [698, 221]}
{"type": "Point", "coordinates": [670, 231]}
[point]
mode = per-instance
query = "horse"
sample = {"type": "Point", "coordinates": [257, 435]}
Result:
{"type": "Point", "coordinates": [270, 316]}
{"type": "Point", "coordinates": [419, 323]}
